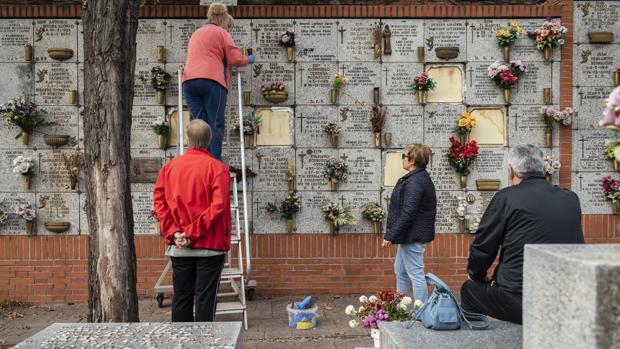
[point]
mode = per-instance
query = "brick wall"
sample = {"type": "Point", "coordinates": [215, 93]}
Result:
{"type": "Point", "coordinates": [52, 269]}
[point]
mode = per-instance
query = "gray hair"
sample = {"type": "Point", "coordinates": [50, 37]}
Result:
{"type": "Point", "coordinates": [198, 134]}
{"type": "Point", "coordinates": [526, 160]}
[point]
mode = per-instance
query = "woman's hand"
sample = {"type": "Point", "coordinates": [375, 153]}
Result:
{"type": "Point", "coordinates": [386, 243]}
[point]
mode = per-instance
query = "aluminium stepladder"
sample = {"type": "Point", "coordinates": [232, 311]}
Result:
{"type": "Point", "coordinates": [233, 274]}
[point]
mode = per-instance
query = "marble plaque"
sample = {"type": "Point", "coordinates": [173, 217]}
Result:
{"type": "Point", "coordinates": [393, 168]}
{"type": "Point", "coordinates": [276, 126]}
{"type": "Point", "coordinates": [446, 220]}
{"type": "Point", "coordinates": [144, 170]}
{"type": "Point", "coordinates": [589, 149]}
{"type": "Point", "coordinates": [66, 123]}
{"type": "Point", "coordinates": [445, 33]}
{"type": "Point", "coordinates": [481, 200]}
{"type": "Point", "coordinates": [450, 83]}
{"type": "Point", "coordinates": [240, 224]}
{"type": "Point", "coordinates": [594, 64]}
{"type": "Point", "coordinates": [15, 224]}
{"type": "Point", "coordinates": [268, 72]}
{"type": "Point", "coordinates": [142, 206]}
{"type": "Point", "coordinates": [246, 85]}
{"type": "Point", "coordinates": [231, 156]}
{"type": "Point", "coordinates": [314, 79]}
{"type": "Point", "coordinates": [355, 40]}
{"type": "Point", "coordinates": [596, 16]}
{"type": "Point", "coordinates": [53, 81]}
{"type": "Point", "coordinates": [18, 80]}
{"type": "Point", "coordinates": [356, 129]}
{"type": "Point", "coordinates": [54, 33]}
{"type": "Point", "coordinates": [172, 92]}
{"type": "Point", "coordinates": [406, 123]}
{"type": "Point", "coordinates": [80, 41]}
{"type": "Point", "coordinates": [142, 134]}
{"type": "Point", "coordinates": [480, 89]}
{"type": "Point", "coordinates": [83, 221]}
{"type": "Point", "coordinates": [439, 120]}
{"type": "Point", "coordinates": [525, 48]}
{"type": "Point", "coordinates": [364, 169]}
{"type": "Point", "coordinates": [59, 207]}
{"type": "Point", "coordinates": [265, 38]}
{"type": "Point", "coordinates": [589, 188]}
{"type": "Point", "coordinates": [144, 93]}
{"type": "Point", "coordinates": [363, 77]}
{"type": "Point", "coordinates": [442, 173]}
{"type": "Point", "coordinates": [53, 176]}
{"type": "Point", "coordinates": [490, 129]}
{"type": "Point", "coordinates": [178, 32]}
{"type": "Point", "coordinates": [482, 41]}
{"type": "Point", "coordinates": [311, 166]}
{"type": "Point", "coordinates": [529, 89]}
{"type": "Point", "coordinates": [14, 34]}
{"type": "Point", "coordinates": [272, 172]}
{"type": "Point", "coordinates": [491, 163]}
{"type": "Point", "coordinates": [241, 32]}
{"type": "Point", "coordinates": [396, 82]}
{"type": "Point", "coordinates": [526, 126]}
{"type": "Point", "coordinates": [407, 36]}
{"type": "Point", "coordinates": [309, 123]}
{"type": "Point", "coordinates": [173, 139]}
{"type": "Point", "coordinates": [10, 182]}
{"type": "Point", "coordinates": [316, 40]}
{"type": "Point", "coordinates": [266, 222]}
{"type": "Point", "coordinates": [589, 104]}
{"type": "Point", "coordinates": [151, 33]}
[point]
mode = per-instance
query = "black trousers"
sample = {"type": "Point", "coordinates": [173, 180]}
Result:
{"type": "Point", "coordinates": [195, 277]}
{"type": "Point", "coordinates": [482, 297]}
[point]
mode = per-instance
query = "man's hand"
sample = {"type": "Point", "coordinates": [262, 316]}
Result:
{"type": "Point", "coordinates": [386, 243]}
{"type": "Point", "coordinates": [181, 240]}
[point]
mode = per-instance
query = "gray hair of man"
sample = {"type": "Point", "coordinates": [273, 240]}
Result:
{"type": "Point", "coordinates": [198, 134]}
{"type": "Point", "coordinates": [526, 160]}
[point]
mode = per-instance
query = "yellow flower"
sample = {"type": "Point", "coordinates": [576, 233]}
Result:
{"type": "Point", "coordinates": [463, 122]}
{"type": "Point", "coordinates": [465, 115]}
{"type": "Point", "coordinates": [503, 32]}
{"type": "Point", "coordinates": [472, 121]}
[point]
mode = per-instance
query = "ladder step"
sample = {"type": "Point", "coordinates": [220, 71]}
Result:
{"type": "Point", "coordinates": [229, 307]}
{"type": "Point", "coordinates": [231, 272]}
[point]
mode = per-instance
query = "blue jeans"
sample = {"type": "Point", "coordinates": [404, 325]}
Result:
{"type": "Point", "coordinates": [207, 101]}
{"type": "Point", "coordinates": [409, 268]}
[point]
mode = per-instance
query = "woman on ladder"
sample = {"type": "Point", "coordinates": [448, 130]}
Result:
{"type": "Point", "coordinates": [206, 76]}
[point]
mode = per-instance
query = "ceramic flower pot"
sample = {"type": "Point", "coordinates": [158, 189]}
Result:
{"type": "Point", "coordinates": [291, 184]}
{"type": "Point", "coordinates": [290, 225]}
{"type": "Point", "coordinates": [248, 140]}
{"type": "Point", "coordinates": [549, 177]}
{"type": "Point", "coordinates": [615, 207]}
{"type": "Point", "coordinates": [376, 227]}
{"type": "Point", "coordinates": [247, 97]}
{"type": "Point", "coordinates": [28, 52]}
{"type": "Point", "coordinates": [73, 97]}
{"type": "Point", "coordinates": [377, 139]}
{"type": "Point", "coordinates": [462, 226]}
{"type": "Point", "coordinates": [463, 181]}
{"type": "Point", "coordinates": [30, 227]}
{"type": "Point", "coordinates": [507, 95]}
{"type": "Point", "coordinates": [421, 53]}
{"type": "Point", "coordinates": [335, 138]}
{"type": "Point", "coordinates": [506, 53]}
{"type": "Point", "coordinates": [422, 97]}
{"type": "Point", "coordinates": [161, 96]}
{"type": "Point", "coordinates": [25, 137]}
{"type": "Point", "coordinates": [160, 53]}
{"type": "Point", "coordinates": [333, 96]}
{"type": "Point", "coordinates": [548, 137]}
{"type": "Point", "coordinates": [547, 95]}
{"type": "Point", "coordinates": [27, 180]}
{"type": "Point", "coordinates": [162, 141]}
{"type": "Point", "coordinates": [616, 77]}
{"type": "Point", "coordinates": [387, 139]}
{"type": "Point", "coordinates": [616, 165]}
{"type": "Point", "coordinates": [289, 54]}
{"type": "Point", "coordinates": [333, 184]}
{"type": "Point", "coordinates": [376, 96]}
{"type": "Point", "coordinates": [547, 53]}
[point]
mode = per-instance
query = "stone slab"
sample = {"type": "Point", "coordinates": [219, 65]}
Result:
{"type": "Point", "coordinates": [271, 175]}
{"type": "Point", "coordinates": [589, 103]}
{"type": "Point", "coordinates": [142, 134]}
{"type": "Point", "coordinates": [481, 40]}
{"type": "Point", "coordinates": [396, 335]}
{"type": "Point", "coordinates": [594, 64]}
{"type": "Point", "coordinates": [525, 48]}
{"type": "Point", "coordinates": [364, 169]}
{"type": "Point", "coordinates": [315, 80]}
{"type": "Point", "coordinates": [18, 80]}
{"type": "Point", "coordinates": [491, 163]}
{"type": "Point", "coordinates": [15, 224]}
{"type": "Point", "coordinates": [585, 313]}
{"type": "Point", "coordinates": [450, 83]}
{"type": "Point", "coordinates": [14, 34]}
{"type": "Point", "coordinates": [310, 166]}
{"type": "Point", "coordinates": [355, 40]}
{"type": "Point", "coordinates": [526, 125]}
{"type": "Point", "coordinates": [480, 89]}
{"type": "Point", "coordinates": [52, 175]}
{"type": "Point", "coordinates": [264, 73]}
{"type": "Point", "coordinates": [407, 36]}
{"type": "Point", "coordinates": [356, 129]}
{"type": "Point", "coordinates": [55, 33]}
{"type": "Point", "coordinates": [445, 33]}
{"type": "Point", "coordinates": [405, 122]}
{"type": "Point", "coordinates": [59, 207]}
{"type": "Point", "coordinates": [178, 32]}
{"type": "Point", "coordinates": [529, 89]}
{"type": "Point", "coordinates": [363, 78]}
{"type": "Point", "coordinates": [309, 123]}
{"type": "Point", "coordinates": [589, 188]}
{"type": "Point", "coordinates": [596, 16]}
{"type": "Point", "coordinates": [144, 94]}
{"type": "Point", "coordinates": [142, 205]}
{"type": "Point", "coordinates": [9, 182]}
{"type": "Point", "coordinates": [589, 149]}
{"type": "Point", "coordinates": [396, 82]}
{"type": "Point", "coordinates": [443, 175]}
{"type": "Point", "coordinates": [439, 119]}
{"type": "Point", "coordinates": [150, 34]}
{"type": "Point", "coordinates": [53, 82]}
{"type": "Point", "coordinates": [316, 40]}
{"type": "Point", "coordinates": [219, 335]}
{"type": "Point", "coordinates": [265, 38]}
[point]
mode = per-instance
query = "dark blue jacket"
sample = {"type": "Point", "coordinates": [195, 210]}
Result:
{"type": "Point", "coordinates": [413, 206]}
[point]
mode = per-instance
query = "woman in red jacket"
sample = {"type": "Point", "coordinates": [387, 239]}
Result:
{"type": "Point", "coordinates": [206, 76]}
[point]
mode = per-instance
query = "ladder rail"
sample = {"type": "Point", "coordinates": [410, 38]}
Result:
{"type": "Point", "coordinates": [243, 180]}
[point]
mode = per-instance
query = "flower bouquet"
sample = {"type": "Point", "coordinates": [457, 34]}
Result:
{"type": "Point", "coordinates": [290, 176]}
{"type": "Point", "coordinates": [24, 114]}
{"type": "Point", "coordinates": [155, 220]}
{"type": "Point", "coordinates": [161, 127]}
{"type": "Point", "coordinates": [611, 191]}
{"type": "Point", "coordinates": [336, 171]}
{"type": "Point", "coordinates": [287, 209]}
{"type": "Point", "coordinates": [377, 121]}
{"type": "Point", "coordinates": [547, 36]}
{"type": "Point", "coordinates": [464, 126]}
{"type": "Point", "coordinates": [251, 125]}
{"type": "Point", "coordinates": [275, 92]}
{"type": "Point", "coordinates": [374, 213]}
{"type": "Point", "coordinates": [287, 39]}
{"type": "Point", "coordinates": [506, 37]}
{"type": "Point", "coordinates": [611, 149]}
{"type": "Point", "coordinates": [337, 215]}
{"type": "Point", "coordinates": [238, 174]}
{"type": "Point", "coordinates": [553, 115]}
{"type": "Point", "coordinates": [27, 213]}
{"type": "Point", "coordinates": [338, 83]}
{"type": "Point", "coordinates": [461, 157]}
{"type": "Point", "coordinates": [333, 129]}
{"type": "Point", "coordinates": [73, 163]}
{"type": "Point", "coordinates": [507, 76]}
{"type": "Point", "coordinates": [159, 81]}
{"type": "Point", "coordinates": [552, 165]}
{"type": "Point", "coordinates": [461, 213]}
{"type": "Point", "coordinates": [23, 166]}
{"type": "Point", "coordinates": [421, 84]}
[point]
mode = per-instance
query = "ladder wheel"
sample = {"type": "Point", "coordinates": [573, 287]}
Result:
{"type": "Point", "coordinates": [160, 300]}
{"type": "Point", "coordinates": [250, 293]}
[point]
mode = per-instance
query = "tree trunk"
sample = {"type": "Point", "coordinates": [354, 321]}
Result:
{"type": "Point", "coordinates": [109, 61]}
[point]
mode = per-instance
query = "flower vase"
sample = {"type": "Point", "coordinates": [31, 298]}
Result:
{"type": "Point", "coordinates": [549, 177]}
{"type": "Point", "coordinates": [74, 182]}
{"type": "Point", "coordinates": [333, 96]}
{"type": "Point", "coordinates": [463, 138]}
{"type": "Point", "coordinates": [334, 138]}
{"type": "Point", "coordinates": [28, 52]}
{"type": "Point", "coordinates": [616, 77]}
{"type": "Point", "coordinates": [248, 141]}
{"type": "Point", "coordinates": [25, 137]}
{"type": "Point", "coordinates": [376, 336]}
{"type": "Point", "coordinates": [421, 97]}
{"type": "Point", "coordinates": [506, 53]}
{"type": "Point", "coordinates": [27, 181]}
{"type": "Point", "coordinates": [548, 136]}
{"type": "Point", "coordinates": [376, 96]}
{"type": "Point", "coordinates": [289, 54]}
{"type": "Point", "coordinates": [290, 225]}
{"type": "Point", "coordinates": [547, 95]}
{"type": "Point", "coordinates": [291, 184]}
{"type": "Point", "coordinates": [334, 229]}
{"type": "Point", "coordinates": [30, 227]}
{"type": "Point", "coordinates": [333, 184]}
{"type": "Point", "coordinates": [507, 95]}
{"type": "Point", "coordinates": [615, 206]}
{"type": "Point", "coordinates": [377, 139]}
{"type": "Point", "coordinates": [616, 165]}
{"type": "Point", "coordinates": [462, 226]}
{"type": "Point", "coordinates": [247, 97]}
{"type": "Point", "coordinates": [376, 227]}
{"type": "Point", "coordinates": [547, 53]}
{"type": "Point", "coordinates": [463, 181]}
{"type": "Point", "coordinates": [161, 96]}
{"type": "Point", "coordinates": [162, 141]}
{"type": "Point", "coordinates": [387, 139]}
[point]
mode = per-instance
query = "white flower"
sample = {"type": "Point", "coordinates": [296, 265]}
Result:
{"type": "Point", "coordinates": [349, 310]}
{"type": "Point", "coordinates": [403, 307]}
{"type": "Point", "coordinates": [406, 300]}
{"type": "Point", "coordinates": [361, 309]}
{"type": "Point", "coordinates": [373, 299]}
{"type": "Point", "coordinates": [353, 323]}
{"type": "Point", "coordinates": [417, 304]}
{"type": "Point", "coordinates": [363, 299]}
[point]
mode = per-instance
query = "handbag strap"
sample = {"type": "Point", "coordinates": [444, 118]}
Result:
{"type": "Point", "coordinates": [435, 280]}
{"type": "Point", "coordinates": [469, 317]}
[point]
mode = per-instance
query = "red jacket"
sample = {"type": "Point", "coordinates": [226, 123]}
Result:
{"type": "Point", "coordinates": [192, 196]}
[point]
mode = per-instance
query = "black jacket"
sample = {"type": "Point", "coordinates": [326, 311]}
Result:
{"type": "Point", "coordinates": [413, 205]}
{"type": "Point", "coordinates": [533, 212]}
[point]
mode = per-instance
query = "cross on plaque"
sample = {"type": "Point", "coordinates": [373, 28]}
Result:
{"type": "Point", "coordinates": [342, 200]}
{"type": "Point", "coordinates": [582, 140]}
{"type": "Point", "coordinates": [430, 164]}
{"type": "Point", "coordinates": [471, 76]}
{"type": "Point", "coordinates": [580, 97]}
{"type": "Point", "coordinates": [386, 70]}
{"type": "Point", "coordinates": [259, 156]}
{"type": "Point", "coordinates": [516, 116]}
{"type": "Point", "coordinates": [257, 202]}
{"type": "Point", "coordinates": [580, 179]}
{"type": "Point", "coordinates": [387, 200]}
{"type": "Point", "coordinates": [301, 76]}
{"type": "Point", "coordinates": [341, 30]}
{"type": "Point", "coordinates": [301, 156]}
{"type": "Point", "coordinates": [256, 30]}
{"type": "Point", "coordinates": [301, 117]}
{"type": "Point", "coordinates": [472, 26]}
{"type": "Point", "coordinates": [342, 70]}
{"type": "Point", "coordinates": [344, 157]}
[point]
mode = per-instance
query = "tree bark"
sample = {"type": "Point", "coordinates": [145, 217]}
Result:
{"type": "Point", "coordinates": [109, 61]}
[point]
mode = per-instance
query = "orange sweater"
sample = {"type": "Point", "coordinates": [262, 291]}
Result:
{"type": "Point", "coordinates": [207, 50]}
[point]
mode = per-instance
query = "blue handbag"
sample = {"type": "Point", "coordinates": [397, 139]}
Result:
{"type": "Point", "coordinates": [441, 311]}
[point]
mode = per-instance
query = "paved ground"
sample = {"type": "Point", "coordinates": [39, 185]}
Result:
{"type": "Point", "coordinates": [268, 323]}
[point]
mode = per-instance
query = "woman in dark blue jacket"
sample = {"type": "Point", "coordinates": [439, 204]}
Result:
{"type": "Point", "coordinates": [411, 220]}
